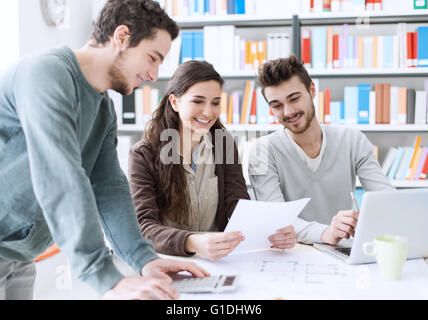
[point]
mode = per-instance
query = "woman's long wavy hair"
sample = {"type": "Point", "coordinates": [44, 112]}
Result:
{"type": "Point", "coordinates": [173, 199]}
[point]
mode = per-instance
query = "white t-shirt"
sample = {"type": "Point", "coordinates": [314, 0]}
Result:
{"type": "Point", "coordinates": [314, 163]}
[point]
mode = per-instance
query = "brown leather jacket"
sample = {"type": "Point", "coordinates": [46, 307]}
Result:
{"type": "Point", "coordinates": [144, 183]}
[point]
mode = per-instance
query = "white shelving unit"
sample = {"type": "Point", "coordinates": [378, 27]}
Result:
{"type": "Point", "coordinates": [370, 72]}
{"type": "Point", "coordinates": [331, 73]}
{"type": "Point", "coordinates": [306, 18]}
{"type": "Point", "coordinates": [275, 127]}
{"type": "Point", "coordinates": [373, 14]}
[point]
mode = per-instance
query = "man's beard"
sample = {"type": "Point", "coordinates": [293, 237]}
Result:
{"type": "Point", "coordinates": [309, 116]}
{"type": "Point", "coordinates": [118, 81]}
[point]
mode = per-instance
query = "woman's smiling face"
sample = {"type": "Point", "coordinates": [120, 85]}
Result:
{"type": "Point", "coordinates": [199, 107]}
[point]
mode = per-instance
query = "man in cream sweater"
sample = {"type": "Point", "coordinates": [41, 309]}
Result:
{"type": "Point", "coordinates": [309, 159]}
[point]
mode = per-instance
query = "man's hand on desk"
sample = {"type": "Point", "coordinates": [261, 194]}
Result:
{"type": "Point", "coordinates": [213, 245]}
{"type": "Point", "coordinates": [141, 288]}
{"type": "Point", "coordinates": [284, 238]}
{"type": "Point", "coordinates": [155, 282]}
{"type": "Point", "coordinates": [160, 268]}
{"type": "Point", "coordinates": [342, 226]}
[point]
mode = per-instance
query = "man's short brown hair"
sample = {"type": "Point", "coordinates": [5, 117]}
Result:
{"type": "Point", "coordinates": [142, 17]}
{"type": "Point", "coordinates": [274, 72]}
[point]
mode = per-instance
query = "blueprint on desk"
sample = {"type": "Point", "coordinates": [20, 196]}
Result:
{"type": "Point", "coordinates": [306, 273]}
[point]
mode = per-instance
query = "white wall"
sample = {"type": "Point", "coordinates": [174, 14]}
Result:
{"type": "Point", "coordinates": [9, 33]}
{"type": "Point", "coordinates": [35, 35]}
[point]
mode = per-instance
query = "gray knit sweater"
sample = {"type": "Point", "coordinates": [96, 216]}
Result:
{"type": "Point", "coordinates": [278, 173]}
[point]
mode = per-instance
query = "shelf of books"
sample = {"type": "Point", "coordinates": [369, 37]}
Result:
{"type": "Point", "coordinates": [275, 127]}
{"type": "Point", "coordinates": [309, 18]}
{"type": "Point", "coordinates": [380, 107]}
{"type": "Point", "coordinates": [333, 73]}
{"type": "Point", "coordinates": [363, 17]}
{"type": "Point", "coordinates": [235, 10]}
{"type": "Point", "coordinates": [236, 20]}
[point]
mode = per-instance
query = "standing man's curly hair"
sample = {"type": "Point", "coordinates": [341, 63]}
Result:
{"type": "Point", "coordinates": [142, 17]}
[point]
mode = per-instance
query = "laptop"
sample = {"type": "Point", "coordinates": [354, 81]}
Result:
{"type": "Point", "coordinates": [401, 212]}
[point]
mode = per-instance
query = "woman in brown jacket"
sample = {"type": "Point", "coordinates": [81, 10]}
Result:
{"type": "Point", "coordinates": [185, 175]}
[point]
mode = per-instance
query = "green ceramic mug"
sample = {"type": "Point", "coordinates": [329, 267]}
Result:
{"type": "Point", "coordinates": [390, 252]}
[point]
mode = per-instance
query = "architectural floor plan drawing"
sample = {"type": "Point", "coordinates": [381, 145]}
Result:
{"type": "Point", "coordinates": [284, 270]}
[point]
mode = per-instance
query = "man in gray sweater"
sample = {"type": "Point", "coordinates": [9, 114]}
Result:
{"type": "Point", "coordinates": [60, 179]}
{"type": "Point", "coordinates": [309, 159]}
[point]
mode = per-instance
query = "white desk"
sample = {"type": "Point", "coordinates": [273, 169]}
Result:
{"type": "Point", "coordinates": [300, 273]}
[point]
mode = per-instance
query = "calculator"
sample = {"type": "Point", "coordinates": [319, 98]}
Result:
{"type": "Point", "coordinates": [213, 284]}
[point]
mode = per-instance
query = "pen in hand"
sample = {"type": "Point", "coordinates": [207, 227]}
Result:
{"type": "Point", "coordinates": [355, 202]}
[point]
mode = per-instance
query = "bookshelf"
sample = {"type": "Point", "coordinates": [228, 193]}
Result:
{"type": "Point", "coordinates": [333, 73]}
{"type": "Point", "coordinates": [274, 127]}
{"type": "Point", "coordinates": [256, 27]}
{"type": "Point", "coordinates": [305, 18]}
{"type": "Point", "coordinates": [375, 17]}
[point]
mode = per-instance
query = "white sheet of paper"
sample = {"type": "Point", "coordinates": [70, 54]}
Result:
{"type": "Point", "coordinates": [257, 220]}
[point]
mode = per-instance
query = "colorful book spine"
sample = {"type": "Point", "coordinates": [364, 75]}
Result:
{"type": "Point", "coordinates": [345, 44]}
{"type": "Point", "coordinates": [198, 45]}
{"type": "Point", "coordinates": [321, 106]}
{"type": "Point", "coordinates": [388, 50]}
{"type": "Point", "coordinates": [422, 46]}
{"type": "Point", "coordinates": [404, 165]}
{"type": "Point", "coordinates": [378, 88]}
{"type": "Point", "coordinates": [402, 105]}
{"type": "Point", "coordinates": [420, 4]}
{"type": "Point", "coordinates": [253, 112]}
{"type": "Point", "coordinates": [207, 7]}
{"type": "Point", "coordinates": [349, 58]}
{"type": "Point", "coordinates": [420, 107]}
{"type": "Point", "coordinates": [187, 46]}
{"type": "Point", "coordinates": [223, 108]}
{"type": "Point", "coordinates": [230, 6]}
{"type": "Point", "coordinates": [389, 159]}
{"type": "Point", "coordinates": [413, 158]}
{"type": "Point", "coordinates": [327, 102]}
{"type": "Point", "coordinates": [410, 106]}
{"type": "Point", "coordinates": [329, 47]}
{"type": "Point", "coordinates": [395, 164]}
{"type": "Point", "coordinates": [336, 57]}
{"type": "Point", "coordinates": [415, 46]}
{"type": "Point", "coordinates": [372, 108]}
{"type": "Point", "coordinates": [415, 164]}
{"type": "Point", "coordinates": [246, 100]}
{"type": "Point", "coordinates": [319, 48]}
{"type": "Point", "coordinates": [230, 110]}
{"type": "Point", "coordinates": [409, 50]}
{"type": "Point", "coordinates": [239, 6]}
{"type": "Point", "coordinates": [262, 108]}
{"type": "Point", "coordinates": [236, 112]}
{"type": "Point", "coordinates": [306, 48]}
{"type": "Point", "coordinates": [128, 114]}
{"type": "Point", "coordinates": [147, 103]}
{"type": "Point", "coordinates": [386, 103]}
{"type": "Point", "coordinates": [426, 97]}
{"type": "Point", "coordinates": [424, 171]}
{"type": "Point", "coordinates": [393, 106]}
{"type": "Point", "coordinates": [212, 7]}
{"type": "Point", "coordinates": [363, 103]}
{"type": "Point", "coordinates": [351, 105]}
{"type": "Point", "coordinates": [335, 112]}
